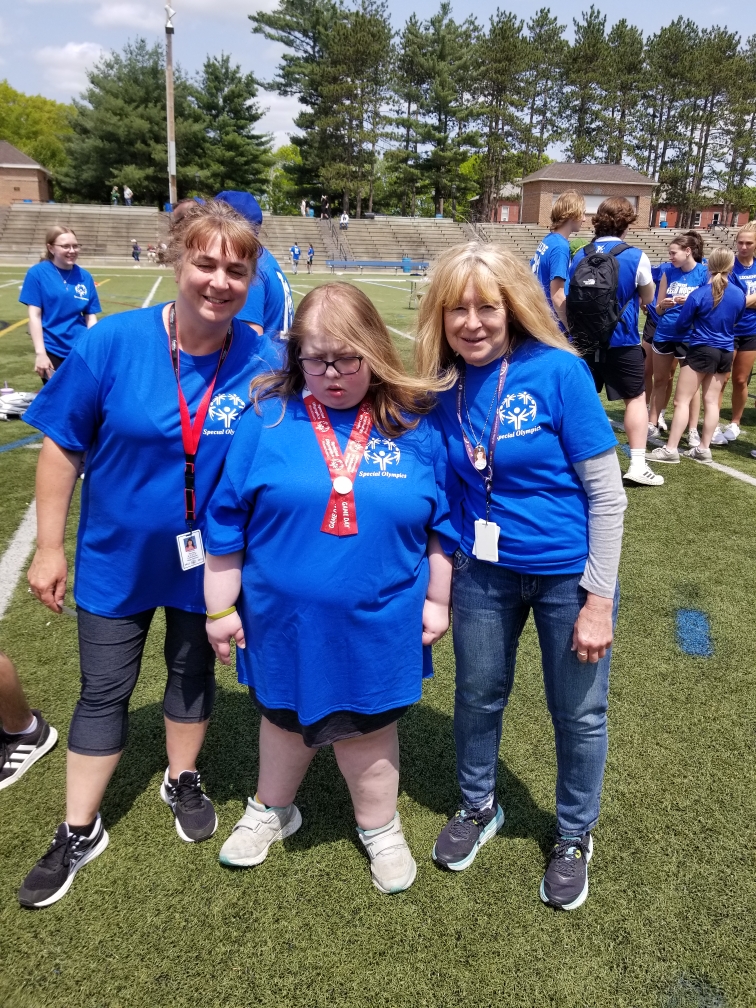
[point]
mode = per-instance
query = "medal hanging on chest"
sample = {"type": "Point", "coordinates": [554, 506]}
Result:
{"type": "Point", "coordinates": [341, 514]}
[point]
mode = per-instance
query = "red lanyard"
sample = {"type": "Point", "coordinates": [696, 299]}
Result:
{"type": "Point", "coordinates": [341, 514]}
{"type": "Point", "coordinates": [191, 432]}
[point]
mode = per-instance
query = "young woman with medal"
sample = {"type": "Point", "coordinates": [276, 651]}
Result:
{"type": "Point", "coordinates": [151, 397]}
{"type": "Point", "coordinates": [329, 563]}
{"type": "Point", "coordinates": [541, 531]}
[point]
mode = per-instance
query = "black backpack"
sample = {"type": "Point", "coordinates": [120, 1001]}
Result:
{"type": "Point", "coordinates": [593, 310]}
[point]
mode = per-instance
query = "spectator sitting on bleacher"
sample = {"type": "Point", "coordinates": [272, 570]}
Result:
{"type": "Point", "coordinates": [344, 221]}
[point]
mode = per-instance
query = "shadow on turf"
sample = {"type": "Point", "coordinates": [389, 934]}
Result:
{"type": "Point", "coordinates": [229, 769]}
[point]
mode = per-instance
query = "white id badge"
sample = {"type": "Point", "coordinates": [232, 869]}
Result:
{"type": "Point", "coordinates": [486, 546]}
{"type": "Point", "coordinates": [191, 550]}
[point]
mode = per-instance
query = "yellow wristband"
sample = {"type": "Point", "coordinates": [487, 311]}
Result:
{"type": "Point", "coordinates": [220, 615]}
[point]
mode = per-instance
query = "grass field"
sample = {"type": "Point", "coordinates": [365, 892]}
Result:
{"type": "Point", "coordinates": [670, 921]}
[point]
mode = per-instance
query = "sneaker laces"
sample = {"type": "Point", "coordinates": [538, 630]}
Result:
{"type": "Point", "coordinates": [189, 794]}
{"type": "Point", "coordinates": [60, 851]}
{"type": "Point", "coordinates": [564, 851]}
{"type": "Point", "coordinates": [464, 823]}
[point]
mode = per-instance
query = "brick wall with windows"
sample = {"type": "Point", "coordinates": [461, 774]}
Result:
{"type": "Point", "coordinates": [23, 184]}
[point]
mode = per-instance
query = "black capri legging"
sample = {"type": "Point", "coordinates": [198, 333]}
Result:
{"type": "Point", "coordinates": [110, 655]}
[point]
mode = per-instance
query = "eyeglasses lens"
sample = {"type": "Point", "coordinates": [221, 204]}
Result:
{"type": "Point", "coordinates": [344, 365]}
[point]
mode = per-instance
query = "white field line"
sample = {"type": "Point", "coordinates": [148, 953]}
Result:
{"type": "Point", "coordinates": [16, 555]}
{"type": "Point", "coordinates": [151, 295]}
{"type": "Point", "coordinates": [10, 283]}
{"type": "Point", "coordinates": [380, 283]}
{"type": "Point", "coordinates": [400, 333]}
{"type": "Point", "coordinates": [298, 290]}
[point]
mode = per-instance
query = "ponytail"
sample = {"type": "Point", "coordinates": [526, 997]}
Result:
{"type": "Point", "coordinates": [690, 240]}
{"type": "Point", "coordinates": [720, 266]}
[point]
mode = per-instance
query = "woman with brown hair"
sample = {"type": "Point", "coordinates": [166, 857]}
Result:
{"type": "Point", "coordinates": [151, 398]}
{"type": "Point", "coordinates": [329, 547]}
{"type": "Point", "coordinates": [541, 518]}
{"type": "Point", "coordinates": [62, 301]}
{"type": "Point", "coordinates": [744, 275]}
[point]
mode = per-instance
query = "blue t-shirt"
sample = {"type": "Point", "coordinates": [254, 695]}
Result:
{"type": "Point", "coordinates": [706, 324]}
{"type": "Point", "coordinates": [65, 297]}
{"type": "Point", "coordinates": [679, 284]}
{"type": "Point", "coordinates": [551, 262]}
{"type": "Point", "coordinates": [269, 301]}
{"type": "Point", "coordinates": [634, 272]}
{"type": "Point", "coordinates": [550, 418]}
{"type": "Point", "coordinates": [115, 398]}
{"type": "Point", "coordinates": [331, 623]}
{"type": "Point", "coordinates": [657, 272]}
{"type": "Point", "coordinates": [745, 278]}
{"type": "Point", "coordinates": [295, 252]}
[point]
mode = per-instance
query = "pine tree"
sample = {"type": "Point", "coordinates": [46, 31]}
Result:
{"type": "Point", "coordinates": [587, 67]}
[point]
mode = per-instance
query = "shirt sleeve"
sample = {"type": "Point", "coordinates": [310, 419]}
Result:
{"type": "Point", "coordinates": [231, 505]}
{"type": "Point", "coordinates": [687, 313]}
{"type": "Point", "coordinates": [68, 408]}
{"type": "Point", "coordinates": [31, 291]}
{"type": "Point", "coordinates": [446, 519]}
{"type": "Point", "coordinates": [643, 274]}
{"type": "Point", "coordinates": [602, 482]}
{"type": "Point", "coordinates": [585, 429]}
{"type": "Point", "coordinates": [559, 262]}
{"type": "Point", "coordinates": [254, 309]}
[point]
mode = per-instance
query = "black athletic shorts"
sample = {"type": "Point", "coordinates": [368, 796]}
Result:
{"type": "Point", "coordinates": [708, 359]}
{"type": "Point", "coordinates": [334, 727]}
{"type": "Point", "coordinates": [649, 329]}
{"type": "Point", "coordinates": [619, 369]}
{"type": "Point", "coordinates": [56, 361]}
{"type": "Point", "coordinates": [745, 342]}
{"type": "Point", "coordinates": [671, 348]}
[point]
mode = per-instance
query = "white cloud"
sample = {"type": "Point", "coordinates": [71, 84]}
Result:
{"type": "Point", "coordinates": [279, 118]}
{"type": "Point", "coordinates": [127, 15]}
{"type": "Point", "coordinates": [226, 8]}
{"type": "Point", "coordinates": [64, 67]}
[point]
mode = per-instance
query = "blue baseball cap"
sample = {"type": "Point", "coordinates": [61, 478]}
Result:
{"type": "Point", "coordinates": [244, 203]}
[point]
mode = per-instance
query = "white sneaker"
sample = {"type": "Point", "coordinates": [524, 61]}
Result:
{"type": "Point", "coordinates": [718, 438]}
{"type": "Point", "coordinates": [662, 422]}
{"type": "Point", "coordinates": [391, 863]}
{"type": "Point", "coordinates": [731, 431]}
{"type": "Point", "coordinates": [652, 431]}
{"type": "Point", "coordinates": [257, 829]}
{"type": "Point", "coordinates": [669, 455]}
{"type": "Point", "coordinates": [646, 477]}
{"type": "Point", "coordinates": [699, 454]}
{"type": "Point", "coordinates": [694, 438]}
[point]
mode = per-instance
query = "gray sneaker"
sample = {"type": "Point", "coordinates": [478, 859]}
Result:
{"type": "Point", "coordinates": [668, 455]}
{"type": "Point", "coordinates": [391, 863]}
{"type": "Point", "coordinates": [565, 884]}
{"type": "Point", "coordinates": [699, 454]}
{"type": "Point", "coordinates": [257, 829]}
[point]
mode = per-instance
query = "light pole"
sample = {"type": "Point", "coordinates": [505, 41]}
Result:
{"type": "Point", "coordinates": [172, 192]}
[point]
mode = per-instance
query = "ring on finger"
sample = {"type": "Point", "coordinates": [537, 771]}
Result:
{"type": "Point", "coordinates": [582, 654]}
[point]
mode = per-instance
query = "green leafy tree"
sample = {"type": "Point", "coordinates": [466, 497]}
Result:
{"type": "Point", "coordinates": [586, 68]}
{"type": "Point", "coordinates": [281, 191]}
{"type": "Point", "coordinates": [36, 125]}
{"type": "Point", "coordinates": [542, 82]}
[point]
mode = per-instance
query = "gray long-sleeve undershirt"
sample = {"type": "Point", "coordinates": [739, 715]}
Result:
{"type": "Point", "coordinates": [602, 481]}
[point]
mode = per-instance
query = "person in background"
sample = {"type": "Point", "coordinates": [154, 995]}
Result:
{"type": "Point", "coordinates": [114, 196]}
{"type": "Point", "coordinates": [333, 640]}
{"type": "Point", "coordinates": [541, 514]}
{"type": "Point", "coordinates": [128, 195]}
{"type": "Point", "coordinates": [149, 397]}
{"type": "Point", "coordinates": [62, 301]}
{"type": "Point", "coordinates": [551, 262]}
{"type": "Point", "coordinates": [295, 252]}
{"type": "Point", "coordinates": [310, 257]}
{"type": "Point", "coordinates": [707, 323]}
{"type": "Point", "coordinates": [135, 250]}
{"type": "Point", "coordinates": [303, 208]}
{"type": "Point", "coordinates": [325, 208]}
{"type": "Point", "coordinates": [25, 736]}
{"type": "Point", "coordinates": [744, 275]}
{"type": "Point", "coordinates": [270, 305]}
{"type": "Point", "coordinates": [620, 366]}
{"type": "Point", "coordinates": [344, 221]}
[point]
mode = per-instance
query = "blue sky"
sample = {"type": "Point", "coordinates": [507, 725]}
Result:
{"type": "Point", "coordinates": [46, 45]}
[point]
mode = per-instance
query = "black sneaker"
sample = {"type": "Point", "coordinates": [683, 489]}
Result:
{"type": "Point", "coordinates": [463, 836]}
{"type": "Point", "coordinates": [19, 752]}
{"type": "Point", "coordinates": [52, 876]}
{"type": "Point", "coordinates": [194, 813]}
{"type": "Point", "coordinates": [565, 884]}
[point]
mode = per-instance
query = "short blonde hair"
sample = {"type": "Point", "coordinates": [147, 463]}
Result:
{"type": "Point", "coordinates": [348, 315]}
{"type": "Point", "coordinates": [499, 277]}
{"type": "Point", "coordinates": [569, 206]}
{"type": "Point", "coordinates": [205, 221]}
{"type": "Point", "coordinates": [749, 228]}
{"type": "Point", "coordinates": [53, 233]}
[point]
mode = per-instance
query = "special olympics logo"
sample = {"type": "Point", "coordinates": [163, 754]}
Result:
{"type": "Point", "coordinates": [517, 409]}
{"type": "Point", "coordinates": [382, 452]}
{"type": "Point", "coordinates": [225, 408]}
{"type": "Point", "coordinates": [81, 290]}
{"type": "Point", "coordinates": [322, 426]}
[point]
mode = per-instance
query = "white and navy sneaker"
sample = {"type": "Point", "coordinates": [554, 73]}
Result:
{"type": "Point", "coordinates": [644, 475]}
{"type": "Point", "coordinates": [565, 884]}
{"type": "Point", "coordinates": [19, 752]}
{"type": "Point", "coordinates": [52, 876]}
{"type": "Point", "coordinates": [731, 432]}
{"type": "Point", "coordinates": [193, 811]}
{"type": "Point", "coordinates": [463, 836]}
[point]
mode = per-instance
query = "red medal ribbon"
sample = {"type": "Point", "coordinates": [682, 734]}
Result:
{"type": "Point", "coordinates": [341, 514]}
{"type": "Point", "coordinates": [191, 432]}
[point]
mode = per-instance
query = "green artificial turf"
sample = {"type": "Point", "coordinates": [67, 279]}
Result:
{"type": "Point", "coordinates": [670, 919]}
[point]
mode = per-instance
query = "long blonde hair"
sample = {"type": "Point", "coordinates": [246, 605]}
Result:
{"type": "Point", "coordinates": [349, 316]}
{"type": "Point", "coordinates": [499, 277]}
{"type": "Point", "coordinates": [720, 265]}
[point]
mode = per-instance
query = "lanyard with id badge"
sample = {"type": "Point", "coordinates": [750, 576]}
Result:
{"type": "Point", "coordinates": [486, 545]}
{"type": "Point", "coordinates": [190, 546]}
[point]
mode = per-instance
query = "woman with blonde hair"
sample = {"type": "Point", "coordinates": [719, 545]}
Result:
{"type": "Point", "coordinates": [707, 322]}
{"type": "Point", "coordinates": [62, 301]}
{"type": "Point", "coordinates": [541, 521]}
{"type": "Point", "coordinates": [329, 564]}
{"type": "Point", "coordinates": [150, 397]}
{"type": "Point", "coordinates": [744, 275]}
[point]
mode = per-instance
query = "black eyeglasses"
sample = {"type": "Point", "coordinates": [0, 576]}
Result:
{"type": "Point", "coordinates": [344, 365]}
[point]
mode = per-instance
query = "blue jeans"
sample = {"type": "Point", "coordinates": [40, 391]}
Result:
{"type": "Point", "coordinates": [491, 605]}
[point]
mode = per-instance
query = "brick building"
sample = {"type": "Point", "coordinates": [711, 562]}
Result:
{"type": "Point", "coordinates": [594, 181]}
{"type": "Point", "coordinates": [714, 215]}
{"type": "Point", "coordinates": [21, 178]}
